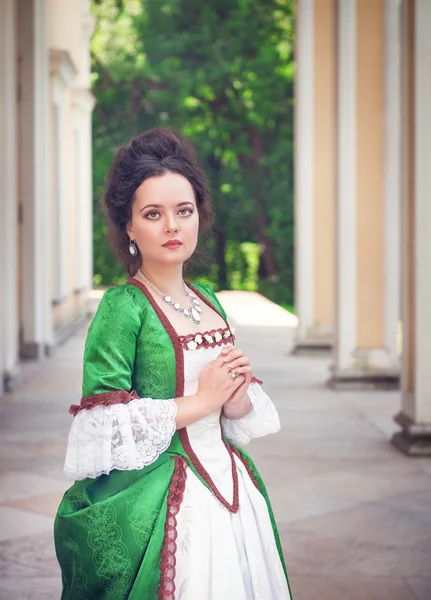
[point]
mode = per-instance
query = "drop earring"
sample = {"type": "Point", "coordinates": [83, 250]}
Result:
{"type": "Point", "coordinates": [133, 248]}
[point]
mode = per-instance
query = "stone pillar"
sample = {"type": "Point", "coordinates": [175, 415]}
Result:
{"type": "Point", "coordinates": [8, 197]}
{"type": "Point", "coordinates": [35, 313]}
{"type": "Point", "coordinates": [83, 103]}
{"type": "Point", "coordinates": [62, 72]}
{"type": "Point", "coordinates": [365, 349]}
{"type": "Point", "coordinates": [315, 172]}
{"type": "Point", "coordinates": [415, 415]}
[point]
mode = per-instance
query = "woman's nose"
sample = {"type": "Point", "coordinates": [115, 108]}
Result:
{"type": "Point", "coordinates": [171, 224]}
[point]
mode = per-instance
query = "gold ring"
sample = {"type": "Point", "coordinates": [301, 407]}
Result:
{"type": "Point", "coordinates": [234, 374]}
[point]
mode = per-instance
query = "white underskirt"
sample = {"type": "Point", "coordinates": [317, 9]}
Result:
{"type": "Point", "coordinates": [226, 556]}
{"type": "Point", "coordinates": [223, 555]}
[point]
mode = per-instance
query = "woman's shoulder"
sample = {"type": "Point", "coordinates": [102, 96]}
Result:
{"type": "Point", "coordinates": [121, 303]}
{"type": "Point", "coordinates": [127, 293]}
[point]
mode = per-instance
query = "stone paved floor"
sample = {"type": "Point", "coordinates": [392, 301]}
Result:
{"type": "Point", "coordinates": [354, 514]}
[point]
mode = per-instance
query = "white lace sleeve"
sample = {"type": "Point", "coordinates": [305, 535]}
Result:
{"type": "Point", "coordinates": [120, 436]}
{"type": "Point", "coordinates": [262, 420]}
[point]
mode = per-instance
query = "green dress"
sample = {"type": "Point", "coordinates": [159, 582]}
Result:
{"type": "Point", "coordinates": [116, 526]}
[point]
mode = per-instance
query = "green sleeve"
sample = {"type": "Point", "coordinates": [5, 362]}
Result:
{"type": "Point", "coordinates": [209, 293]}
{"type": "Point", "coordinates": [110, 349]}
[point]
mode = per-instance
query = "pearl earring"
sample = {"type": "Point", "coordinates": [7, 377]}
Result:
{"type": "Point", "coordinates": [133, 248]}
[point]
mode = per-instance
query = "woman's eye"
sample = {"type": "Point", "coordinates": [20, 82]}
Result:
{"type": "Point", "coordinates": [185, 212]}
{"type": "Point", "coordinates": [152, 215]}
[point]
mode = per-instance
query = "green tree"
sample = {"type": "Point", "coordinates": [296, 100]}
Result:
{"type": "Point", "coordinates": [222, 72]}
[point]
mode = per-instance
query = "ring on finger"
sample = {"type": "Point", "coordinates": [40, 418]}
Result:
{"type": "Point", "coordinates": [233, 373]}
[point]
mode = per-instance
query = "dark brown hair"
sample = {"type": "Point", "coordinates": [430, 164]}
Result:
{"type": "Point", "coordinates": [150, 154]}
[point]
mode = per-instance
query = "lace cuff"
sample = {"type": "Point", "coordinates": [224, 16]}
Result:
{"type": "Point", "coordinates": [121, 436]}
{"type": "Point", "coordinates": [262, 420]}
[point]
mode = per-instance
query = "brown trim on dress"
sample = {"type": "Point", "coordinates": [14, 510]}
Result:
{"type": "Point", "coordinates": [207, 477]}
{"type": "Point", "coordinates": [105, 399]}
{"type": "Point", "coordinates": [168, 559]}
{"type": "Point", "coordinates": [238, 453]}
{"type": "Point", "coordinates": [185, 339]}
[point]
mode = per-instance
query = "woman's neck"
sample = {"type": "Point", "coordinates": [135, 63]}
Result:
{"type": "Point", "coordinates": [168, 280]}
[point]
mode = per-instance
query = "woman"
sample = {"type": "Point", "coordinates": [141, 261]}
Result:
{"type": "Point", "coordinates": [165, 504]}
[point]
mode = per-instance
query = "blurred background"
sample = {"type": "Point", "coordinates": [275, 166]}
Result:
{"type": "Point", "coordinates": [312, 120]}
{"type": "Point", "coordinates": [336, 92]}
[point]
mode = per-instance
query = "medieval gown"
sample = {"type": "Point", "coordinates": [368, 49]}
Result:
{"type": "Point", "coordinates": [154, 512]}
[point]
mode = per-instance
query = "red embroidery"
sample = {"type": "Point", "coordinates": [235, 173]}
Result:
{"type": "Point", "coordinates": [106, 398]}
{"type": "Point", "coordinates": [207, 477]}
{"type": "Point", "coordinates": [185, 339]}
{"type": "Point", "coordinates": [256, 380]}
{"type": "Point", "coordinates": [169, 548]}
{"type": "Point", "coordinates": [237, 453]}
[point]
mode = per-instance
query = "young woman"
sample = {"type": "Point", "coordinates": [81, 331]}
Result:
{"type": "Point", "coordinates": [165, 504]}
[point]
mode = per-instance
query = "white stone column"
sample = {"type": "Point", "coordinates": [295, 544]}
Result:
{"type": "Point", "coordinates": [367, 221]}
{"type": "Point", "coordinates": [62, 72]}
{"type": "Point", "coordinates": [8, 197]}
{"type": "Point", "coordinates": [392, 182]}
{"type": "Point", "coordinates": [345, 289]}
{"type": "Point", "coordinates": [315, 144]}
{"type": "Point", "coordinates": [35, 294]}
{"type": "Point", "coordinates": [415, 415]}
{"type": "Point", "coordinates": [83, 102]}
{"type": "Point", "coordinates": [304, 159]}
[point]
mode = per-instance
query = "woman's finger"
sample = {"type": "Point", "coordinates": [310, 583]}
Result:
{"type": "Point", "coordinates": [234, 354]}
{"type": "Point", "coordinates": [243, 361]}
{"type": "Point", "coordinates": [246, 369]}
{"type": "Point", "coordinates": [220, 360]}
{"type": "Point", "coordinates": [224, 359]}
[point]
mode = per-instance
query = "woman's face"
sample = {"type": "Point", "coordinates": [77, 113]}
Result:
{"type": "Point", "coordinates": [165, 219]}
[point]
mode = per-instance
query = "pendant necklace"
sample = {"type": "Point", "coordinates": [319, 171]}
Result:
{"type": "Point", "coordinates": [195, 310]}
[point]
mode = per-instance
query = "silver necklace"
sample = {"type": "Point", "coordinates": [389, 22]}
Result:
{"type": "Point", "coordinates": [195, 310]}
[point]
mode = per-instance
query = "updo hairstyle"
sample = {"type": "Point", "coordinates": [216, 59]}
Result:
{"type": "Point", "coordinates": [149, 154]}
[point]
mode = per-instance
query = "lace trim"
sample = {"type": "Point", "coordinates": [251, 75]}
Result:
{"type": "Point", "coordinates": [207, 339]}
{"type": "Point", "coordinates": [207, 477]}
{"type": "Point", "coordinates": [169, 548]}
{"type": "Point", "coordinates": [122, 436]}
{"type": "Point", "coordinates": [105, 399]}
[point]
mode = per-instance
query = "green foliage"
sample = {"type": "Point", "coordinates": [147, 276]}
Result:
{"type": "Point", "coordinates": [222, 72]}
{"type": "Point", "coordinates": [242, 260]}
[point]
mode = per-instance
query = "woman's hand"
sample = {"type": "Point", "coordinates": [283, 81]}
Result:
{"type": "Point", "coordinates": [216, 385]}
{"type": "Point", "coordinates": [238, 405]}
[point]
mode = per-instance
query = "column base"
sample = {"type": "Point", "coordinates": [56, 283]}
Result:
{"type": "Point", "coordinates": [12, 378]}
{"type": "Point", "coordinates": [364, 381]}
{"type": "Point", "coordinates": [366, 369]}
{"type": "Point", "coordinates": [316, 339]}
{"type": "Point", "coordinates": [312, 346]}
{"type": "Point", "coordinates": [32, 351]}
{"type": "Point", "coordinates": [414, 439]}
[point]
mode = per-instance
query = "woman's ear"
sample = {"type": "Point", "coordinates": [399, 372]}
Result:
{"type": "Point", "coordinates": [129, 229]}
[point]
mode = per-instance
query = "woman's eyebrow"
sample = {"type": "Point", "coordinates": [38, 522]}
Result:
{"type": "Point", "coordinates": [162, 206]}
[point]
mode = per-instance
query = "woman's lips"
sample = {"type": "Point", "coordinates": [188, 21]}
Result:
{"type": "Point", "coordinates": [172, 245]}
